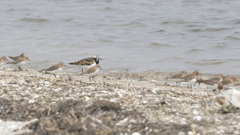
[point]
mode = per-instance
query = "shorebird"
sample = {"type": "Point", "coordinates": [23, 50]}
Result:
{"type": "Point", "coordinates": [179, 75]}
{"type": "Point", "coordinates": [17, 57]}
{"type": "Point", "coordinates": [20, 60]}
{"type": "Point", "coordinates": [219, 86]}
{"type": "Point", "coordinates": [229, 81]}
{"type": "Point", "coordinates": [175, 78]}
{"type": "Point", "coordinates": [225, 83]}
{"type": "Point", "coordinates": [190, 79]}
{"type": "Point", "coordinates": [214, 80]}
{"type": "Point", "coordinates": [3, 60]}
{"type": "Point", "coordinates": [92, 71]}
{"type": "Point", "coordinates": [56, 67]}
{"type": "Point", "coordinates": [87, 63]}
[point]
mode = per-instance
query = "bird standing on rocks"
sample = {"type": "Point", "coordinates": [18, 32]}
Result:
{"type": "Point", "coordinates": [87, 63]}
{"type": "Point", "coordinates": [92, 71]}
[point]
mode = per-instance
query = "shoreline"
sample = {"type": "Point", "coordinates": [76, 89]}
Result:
{"type": "Point", "coordinates": [132, 102]}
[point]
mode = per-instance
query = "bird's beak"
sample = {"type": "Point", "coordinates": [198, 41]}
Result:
{"type": "Point", "coordinates": [29, 59]}
{"type": "Point", "coordinates": [100, 67]}
{"type": "Point", "coordinates": [100, 59]}
{"type": "Point", "coordinates": [7, 59]}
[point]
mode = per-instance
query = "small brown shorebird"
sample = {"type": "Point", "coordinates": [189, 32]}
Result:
{"type": "Point", "coordinates": [19, 61]}
{"type": "Point", "coordinates": [179, 75]}
{"type": "Point", "coordinates": [87, 63]}
{"type": "Point", "coordinates": [190, 79]}
{"type": "Point", "coordinates": [229, 81]}
{"type": "Point", "coordinates": [92, 71]}
{"type": "Point", "coordinates": [3, 60]}
{"type": "Point", "coordinates": [226, 82]}
{"type": "Point", "coordinates": [56, 67]}
{"type": "Point", "coordinates": [17, 57]}
{"type": "Point", "coordinates": [213, 81]}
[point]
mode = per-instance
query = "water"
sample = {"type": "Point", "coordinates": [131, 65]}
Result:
{"type": "Point", "coordinates": [138, 35]}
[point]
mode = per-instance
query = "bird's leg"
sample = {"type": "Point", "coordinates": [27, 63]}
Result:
{"type": "Point", "coordinates": [19, 68]}
{"type": "Point", "coordinates": [82, 70]}
{"type": "Point", "coordinates": [178, 84]}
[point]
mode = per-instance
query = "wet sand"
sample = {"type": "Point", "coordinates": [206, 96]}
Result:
{"type": "Point", "coordinates": [114, 103]}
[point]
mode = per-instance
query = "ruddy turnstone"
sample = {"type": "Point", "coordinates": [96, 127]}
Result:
{"type": "Point", "coordinates": [17, 57]}
{"type": "Point", "coordinates": [3, 60]}
{"type": "Point", "coordinates": [87, 63]}
{"type": "Point", "coordinates": [190, 79]}
{"type": "Point", "coordinates": [55, 67]}
{"type": "Point", "coordinates": [92, 71]}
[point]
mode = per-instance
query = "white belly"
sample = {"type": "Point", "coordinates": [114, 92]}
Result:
{"type": "Point", "coordinates": [92, 74]}
{"type": "Point", "coordinates": [86, 67]}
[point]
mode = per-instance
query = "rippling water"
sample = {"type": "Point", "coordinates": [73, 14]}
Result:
{"type": "Point", "coordinates": [137, 35]}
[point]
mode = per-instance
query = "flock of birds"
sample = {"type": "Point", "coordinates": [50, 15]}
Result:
{"type": "Point", "coordinates": [220, 82]}
{"type": "Point", "coordinates": [90, 66]}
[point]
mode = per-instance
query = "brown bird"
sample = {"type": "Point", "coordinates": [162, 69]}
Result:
{"type": "Point", "coordinates": [220, 86]}
{"type": "Point", "coordinates": [20, 60]}
{"type": "Point", "coordinates": [179, 75]}
{"type": "Point", "coordinates": [3, 60]}
{"type": "Point", "coordinates": [55, 67]}
{"type": "Point", "coordinates": [226, 82]}
{"type": "Point", "coordinates": [214, 80]}
{"type": "Point", "coordinates": [229, 81]}
{"type": "Point", "coordinates": [17, 57]}
{"type": "Point", "coordinates": [190, 79]}
{"type": "Point", "coordinates": [92, 71]}
{"type": "Point", "coordinates": [87, 63]}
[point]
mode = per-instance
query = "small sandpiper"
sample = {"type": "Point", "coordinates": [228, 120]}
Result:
{"type": "Point", "coordinates": [190, 79]}
{"type": "Point", "coordinates": [3, 60]}
{"type": "Point", "coordinates": [179, 75]}
{"type": "Point", "coordinates": [56, 67]}
{"type": "Point", "coordinates": [87, 63]}
{"type": "Point", "coordinates": [20, 60]}
{"type": "Point", "coordinates": [175, 78]}
{"type": "Point", "coordinates": [229, 81]}
{"type": "Point", "coordinates": [17, 57]}
{"type": "Point", "coordinates": [214, 80]}
{"type": "Point", "coordinates": [92, 71]}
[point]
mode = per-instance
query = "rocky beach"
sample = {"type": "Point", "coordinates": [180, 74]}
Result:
{"type": "Point", "coordinates": [117, 102]}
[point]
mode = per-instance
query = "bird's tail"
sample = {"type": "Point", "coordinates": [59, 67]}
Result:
{"type": "Point", "coordinates": [73, 63]}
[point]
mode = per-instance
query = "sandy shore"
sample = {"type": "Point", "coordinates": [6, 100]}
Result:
{"type": "Point", "coordinates": [114, 103]}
